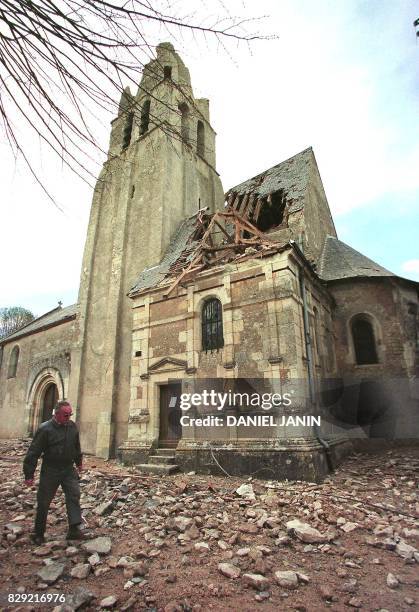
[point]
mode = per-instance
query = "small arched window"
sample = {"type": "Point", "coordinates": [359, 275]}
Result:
{"type": "Point", "coordinates": [126, 138]}
{"type": "Point", "coordinates": [212, 325]}
{"type": "Point", "coordinates": [14, 359]}
{"type": "Point", "coordinates": [364, 341]}
{"type": "Point", "coordinates": [145, 117]}
{"type": "Point", "coordinates": [200, 139]}
{"type": "Point", "coordinates": [167, 72]}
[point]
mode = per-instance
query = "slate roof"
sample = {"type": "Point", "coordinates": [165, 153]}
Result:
{"type": "Point", "coordinates": [49, 319]}
{"type": "Point", "coordinates": [339, 261]}
{"type": "Point", "coordinates": [181, 242]}
{"type": "Point", "coordinates": [291, 176]}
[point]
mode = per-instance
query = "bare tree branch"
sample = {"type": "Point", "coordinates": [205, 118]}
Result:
{"type": "Point", "coordinates": [63, 60]}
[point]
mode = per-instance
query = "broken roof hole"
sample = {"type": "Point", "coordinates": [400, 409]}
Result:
{"type": "Point", "coordinates": [271, 213]}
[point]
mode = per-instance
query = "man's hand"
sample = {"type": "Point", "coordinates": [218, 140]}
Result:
{"type": "Point", "coordinates": [29, 482]}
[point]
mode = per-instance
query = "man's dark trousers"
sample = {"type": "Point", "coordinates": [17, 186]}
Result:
{"type": "Point", "coordinates": [50, 479]}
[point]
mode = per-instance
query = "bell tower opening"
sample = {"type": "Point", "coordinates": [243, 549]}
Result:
{"type": "Point", "coordinates": [145, 117]}
{"type": "Point", "coordinates": [200, 138]}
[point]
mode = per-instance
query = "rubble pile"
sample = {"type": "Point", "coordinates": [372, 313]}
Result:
{"type": "Point", "coordinates": [191, 542]}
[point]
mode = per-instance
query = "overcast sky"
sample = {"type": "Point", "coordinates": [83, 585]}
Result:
{"type": "Point", "coordinates": [342, 77]}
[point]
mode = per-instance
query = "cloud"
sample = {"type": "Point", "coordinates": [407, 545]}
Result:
{"type": "Point", "coordinates": [411, 266]}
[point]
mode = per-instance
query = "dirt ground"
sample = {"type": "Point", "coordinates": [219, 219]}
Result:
{"type": "Point", "coordinates": [192, 542]}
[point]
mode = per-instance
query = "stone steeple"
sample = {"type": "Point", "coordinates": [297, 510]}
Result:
{"type": "Point", "coordinates": [160, 169]}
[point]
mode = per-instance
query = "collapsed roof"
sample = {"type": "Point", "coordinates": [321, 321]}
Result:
{"type": "Point", "coordinates": [203, 241]}
{"type": "Point", "coordinates": [282, 187]}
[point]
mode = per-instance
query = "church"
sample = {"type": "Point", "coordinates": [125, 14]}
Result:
{"type": "Point", "coordinates": [219, 332]}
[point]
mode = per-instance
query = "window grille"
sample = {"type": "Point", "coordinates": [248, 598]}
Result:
{"type": "Point", "coordinates": [212, 325]}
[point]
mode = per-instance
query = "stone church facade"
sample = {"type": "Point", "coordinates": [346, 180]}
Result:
{"type": "Point", "coordinates": [183, 287]}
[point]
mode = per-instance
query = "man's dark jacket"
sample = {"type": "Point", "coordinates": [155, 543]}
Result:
{"type": "Point", "coordinates": [58, 444]}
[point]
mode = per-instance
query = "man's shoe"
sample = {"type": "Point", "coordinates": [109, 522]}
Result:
{"type": "Point", "coordinates": [74, 533]}
{"type": "Point", "coordinates": [37, 538]}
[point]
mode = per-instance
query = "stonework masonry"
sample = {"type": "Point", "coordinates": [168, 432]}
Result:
{"type": "Point", "coordinates": [44, 359]}
{"type": "Point", "coordinates": [143, 193]}
{"type": "Point", "coordinates": [252, 289]}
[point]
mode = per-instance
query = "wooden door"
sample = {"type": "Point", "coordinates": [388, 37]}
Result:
{"type": "Point", "coordinates": [170, 413]}
{"type": "Point", "coordinates": [50, 399]}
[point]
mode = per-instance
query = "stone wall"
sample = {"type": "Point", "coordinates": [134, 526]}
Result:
{"type": "Point", "coordinates": [263, 340]}
{"type": "Point", "coordinates": [143, 193]}
{"type": "Point", "coordinates": [387, 302]}
{"type": "Point", "coordinates": [44, 357]}
{"type": "Point", "coordinates": [382, 398]}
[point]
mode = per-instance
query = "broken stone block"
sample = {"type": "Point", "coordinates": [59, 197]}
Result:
{"type": "Point", "coordinates": [101, 545]}
{"type": "Point", "coordinates": [108, 602]}
{"type": "Point", "coordinates": [51, 572]}
{"type": "Point", "coordinates": [229, 570]}
{"type": "Point", "coordinates": [80, 571]}
{"type": "Point", "coordinates": [304, 532]}
{"type": "Point", "coordinates": [405, 550]}
{"type": "Point", "coordinates": [256, 581]}
{"type": "Point", "coordinates": [246, 491]}
{"type": "Point", "coordinates": [392, 581]}
{"type": "Point", "coordinates": [287, 579]}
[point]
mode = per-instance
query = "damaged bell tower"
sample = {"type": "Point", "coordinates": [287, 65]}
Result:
{"type": "Point", "coordinates": [160, 170]}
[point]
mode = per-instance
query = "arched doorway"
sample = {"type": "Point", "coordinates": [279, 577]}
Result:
{"type": "Point", "coordinates": [46, 389]}
{"type": "Point", "coordinates": [48, 402]}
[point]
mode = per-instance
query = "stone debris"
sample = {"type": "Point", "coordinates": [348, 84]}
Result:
{"type": "Point", "coordinates": [182, 523]}
{"type": "Point", "coordinates": [326, 592]}
{"type": "Point", "coordinates": [326, 544]}
{"type": "Point", "coordinates": [94, 559]}
{"type": "Point", "coordinates": [305, 532]}
{"type": "Point", "coordinates": [105, 508]}
{"type": "Point", "coordinates": [392, 581]}
{"type": "Point", "coordinates": [80, 571]}
{"type": "Point", "coordinates": [229, 570]}
{"type": "Point", "coordinates": [101, 546]}
{"type": "Point", "coordinates": [348, 527]}
{"type": "Point", "coordinates": [80, 597]}
{"type": "Point", "coordinates": [14, 529]}
{"type": "Point", "coordinates": [51, 572]}
{"type": "Point", "coordinates": [406, 551]}
{"type": "Point", "coordinates": [256, 581]}
{"type": "Point", "coordinates": [246, 491]}
{"type": "Point", "coordinates": [287, 579]}
{"type": "Point", "coordinates": [354, 602]}
{"type": "Point", "coordinates": [108, 602]}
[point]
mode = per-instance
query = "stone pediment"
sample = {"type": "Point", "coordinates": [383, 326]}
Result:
{"type": "Point", "coordinates": [167, 364]}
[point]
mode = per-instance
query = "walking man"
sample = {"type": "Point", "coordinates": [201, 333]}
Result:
{"type": "Point", "coordinates": [57, 440]}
